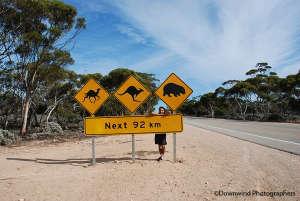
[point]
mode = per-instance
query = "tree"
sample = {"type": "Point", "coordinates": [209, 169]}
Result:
{"type": "Point", "coordinates": [39, 32]}
{"type": "Point", "coordinates": [289, 95]}
{"type": "Point", "coordinates": [192, 107]}
{"type": "Point", "coordinates": [266, 88]}
{"type": "Point", "coordinates": [241, 92]}
{"type": "Point", "coordinates": [210, 101]}
{"type": "Point", "coordinates": [262, 96]}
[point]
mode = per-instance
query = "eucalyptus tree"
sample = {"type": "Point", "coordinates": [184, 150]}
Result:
{"type": "Point", "coordinates": [209, 100]}
{"type": "Point", "coordinates": [290, 94]}
{"type": "Point", "coordinates": [242, 93]}
{"type": "Point", "coordinates": [192, 107]}
{"type": "Point", "coordinates": [40, 34]}
{"type": "Point", "coordinates": [266, 85]}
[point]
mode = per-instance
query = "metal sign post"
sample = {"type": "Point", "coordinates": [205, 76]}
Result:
{"type": "Point", "coordinates": [173, 92]}
{"type": "Point", "coordinates": [133, 147]}
{"type": "Point", "coordinates": [174, 147]}
{"type": "Point", "coordinates": [174, 144]}
{"type": "Point", "coordinates": [93, 149]}
{"type": "Point", "coordinates": [132, 93]}
{"type": "Point", "coordinates": [92, 96]}
{"type": "Point", "coordinates": [93, 152]}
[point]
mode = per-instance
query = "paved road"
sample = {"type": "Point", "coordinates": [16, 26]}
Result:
{"type": "Point", "coordinates": [282, 136]}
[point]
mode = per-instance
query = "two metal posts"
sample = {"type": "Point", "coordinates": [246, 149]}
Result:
{"type": "Point", "coordinates": [132, 147]}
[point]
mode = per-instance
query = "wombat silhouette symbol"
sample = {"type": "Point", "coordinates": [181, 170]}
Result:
{"type": "Point", "coordinates": [133, 92]}
{"type": "Point", "coordinates": [173, 91]}
{"type": "Point", "coordinates": [172, 88]}
{"type": "Point", "coordinates": [92, 94]}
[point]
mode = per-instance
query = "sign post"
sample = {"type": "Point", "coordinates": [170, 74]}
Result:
{"type": "Point", "coordinates": [133, 147]}
{"type": "Point", "coordinates": [174, 147]}
{"type": "Point", "coordinates": [173, 92]}
{"type": "Point", "coordinates": [91, 96]}
{"type": "Point", "coordinates": [132, 93]}
{"type": "Point", "coordinates": [93, 151]}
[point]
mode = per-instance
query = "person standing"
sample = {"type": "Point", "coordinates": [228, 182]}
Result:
{"type": "Point", "coordinates": [161, 138]}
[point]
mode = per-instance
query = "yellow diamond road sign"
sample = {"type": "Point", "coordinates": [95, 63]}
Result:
{"type": "Point", "coordinates": [132, 94]}
{"type": "Point", "coordinates": [91, 96]}
{"type": "Point", "coordinates": [173, 91]}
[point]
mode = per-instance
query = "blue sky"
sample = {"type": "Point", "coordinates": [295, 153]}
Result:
{"type": "Point", "coordinates": [205, 42]}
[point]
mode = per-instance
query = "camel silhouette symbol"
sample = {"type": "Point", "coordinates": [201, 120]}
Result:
{"type": "Point", "coordinates": [92, 94]}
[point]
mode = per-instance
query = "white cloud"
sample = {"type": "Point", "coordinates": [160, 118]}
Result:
{"type": "Point", "coordinates": [221, 40]}
{"type": "Point", "coordinates": [131, 33]}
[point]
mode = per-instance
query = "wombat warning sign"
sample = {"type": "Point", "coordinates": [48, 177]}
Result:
{"type": "Point", "coordinates": [173, 91]}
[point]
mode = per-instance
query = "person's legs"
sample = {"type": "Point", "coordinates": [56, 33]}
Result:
{"type": "Point", "coordinates": [161, 149]}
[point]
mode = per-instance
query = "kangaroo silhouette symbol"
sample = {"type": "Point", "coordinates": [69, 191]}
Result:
{"type": "Point", "coordinates": [92, 94]}
{"type": "Point", "coordinates": [133, 92]}
{"type": "Point", "coordinates": [172, 88]}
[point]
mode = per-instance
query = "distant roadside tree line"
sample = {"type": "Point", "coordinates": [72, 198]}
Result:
{"type": "Point", "coordinates": [35, 87]}
{"type": "Point", "coordinates": [54, 98]}
{"type": "Point", "coordinates": [262, 96]}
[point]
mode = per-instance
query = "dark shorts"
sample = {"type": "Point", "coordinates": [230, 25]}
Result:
{"type": "Point", "coordinates": [160, 139]}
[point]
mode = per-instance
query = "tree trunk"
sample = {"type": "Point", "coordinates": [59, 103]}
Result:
{"type": "Point", "coordinates": [212, 111]}
{"type": "Point", "coordinates": [49, 114]}
{"type": "Point", "coordinates": [245, 111]}
{"type": "Point", "coordinates": [240, 106]}
{"type": "Point", "coordinates": [25, 115]}
{"type": "Point", "coordinates": [6, 122]}
{"type": "Point", "coordinates": [56, 102]}
{"type": "Point", "coordinates": [29, 119]}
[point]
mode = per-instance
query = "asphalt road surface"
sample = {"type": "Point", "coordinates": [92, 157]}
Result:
{"type": "Point", "coordinates": [282, 136]}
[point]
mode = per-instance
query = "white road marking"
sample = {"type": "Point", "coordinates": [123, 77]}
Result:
{"type": "Point", "coordinates": [245, 133]}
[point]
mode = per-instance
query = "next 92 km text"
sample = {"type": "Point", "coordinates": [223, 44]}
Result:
{"type": "Point", "coordinates": [133, 124]}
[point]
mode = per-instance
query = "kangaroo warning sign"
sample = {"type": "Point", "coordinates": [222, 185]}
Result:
{"type": "Point", "coordinates": [173, 91]}
{"type": "Point", "coordinates": [91, 96]}
{"type": "Point", "coordinates": [132, 94]}
{"type": "Point", "coordinates": [133, 124]}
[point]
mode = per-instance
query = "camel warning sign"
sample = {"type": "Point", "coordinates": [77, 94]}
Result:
{"type": "Point", "coordinates": [132, 93]}
{"type": "Point", "coordinates": [173, 91]}
{"type": "Point", "coordinates": [91, 96]}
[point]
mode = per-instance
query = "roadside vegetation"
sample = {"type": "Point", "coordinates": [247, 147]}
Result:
{"type": "Point", "coordinates": [263, 96]}
{"type": "Point", "coordinates": [36, 87]}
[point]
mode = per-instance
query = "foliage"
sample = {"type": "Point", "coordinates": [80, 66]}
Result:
{"type": "Point", "coordinates": [262, 96]}
{"type": "Point", "coordinates": [54, 99]}
{"type": "Point", "coordinates": [33, 40]}
{"type": "Point", "coordinates": [7, 137]}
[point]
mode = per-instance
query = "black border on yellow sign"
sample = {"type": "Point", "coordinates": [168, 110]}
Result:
{"type": "Point", "coordinates": [141, 102]}
{"type": "Point", "coordinates": [164, 83]}
{"type": "Point", "coordinates": [99, 117]}
{"type": "Point", "coordinates": [99, 105]}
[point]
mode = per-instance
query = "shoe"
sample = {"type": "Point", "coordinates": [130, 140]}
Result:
{"type": "Point", "coordinates": [158, 159]}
